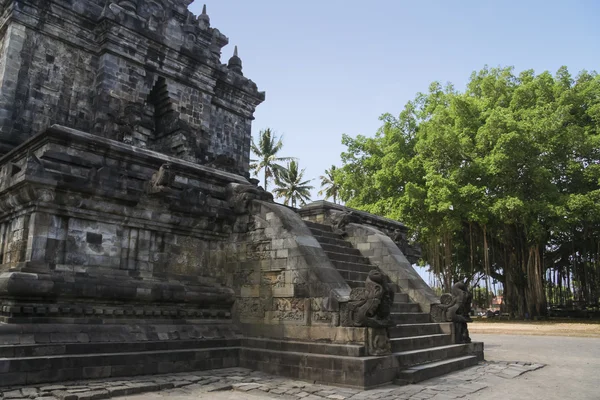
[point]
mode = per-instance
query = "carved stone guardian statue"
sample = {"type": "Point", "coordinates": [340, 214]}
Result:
{"type": "Point", "coordinates": [370, 307]}
{"type": "Point", "coordinates": [240, 196]}
{"type": "Point", "coordinates": [455, 307]}
{"type": "Point", "coordinates": [341, 219]}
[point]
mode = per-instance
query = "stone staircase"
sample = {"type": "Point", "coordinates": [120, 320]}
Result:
{"type": "Point", "coordinates": [423, 349]}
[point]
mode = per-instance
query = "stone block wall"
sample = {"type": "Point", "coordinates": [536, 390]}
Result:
{"type": "Point", "coordinates": [100, 229]}
{"type": "Point", "coordinates": [282, 275]}
{"type": "Point", "coordinates": [146, 73]}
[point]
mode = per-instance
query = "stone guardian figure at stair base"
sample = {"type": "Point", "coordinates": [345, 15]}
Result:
{"type": "Point", "coordinates": [455, 307]}
{"type": "Point", "coordinates": [370, 307]}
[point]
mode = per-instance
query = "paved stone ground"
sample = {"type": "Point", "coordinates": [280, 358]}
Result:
{"type": "Point", "coordinates": [570, 371]}
{"type": "Point", "coordinates": [256, 385]}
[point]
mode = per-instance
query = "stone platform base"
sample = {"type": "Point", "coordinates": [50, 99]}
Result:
{"type": "Point", "coordinates": [349, 365]}
{"type": "Point", "coordinates": [31, 354]}
{"type": "Point", "coordinates": [341, 365]}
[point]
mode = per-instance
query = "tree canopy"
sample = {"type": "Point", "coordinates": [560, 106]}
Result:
{"type": "Point", "coordinates": [501, 179]}
{"type": "Point", "coordinates": [291, 186]}
{"type": "Point", "coordinates": [329, 186]}
{"type": "Point", "coordinates": [266, 150]}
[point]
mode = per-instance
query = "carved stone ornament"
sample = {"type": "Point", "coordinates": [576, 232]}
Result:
{"type": "Point", "coordinates": [455, 307]}
{"type": "Point", "coordinates": [341, 219]}
{"type": "Point", "coordinates": [45, 194]}
{"type": "Point", "coordinates": [240, 196]}
{"type": "Point", "coordinates": [371, 306]}
{"type": "Point", "coordinates": [128, 122]}
{"type": "Point", "coordinates": [378, 342]}
{"type": "Point", "coordinates": [161, 180]}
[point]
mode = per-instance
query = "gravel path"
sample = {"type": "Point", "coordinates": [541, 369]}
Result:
{"type": "Point", "coordinates": [538, 328]}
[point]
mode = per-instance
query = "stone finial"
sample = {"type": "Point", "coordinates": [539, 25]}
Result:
{"type": "Point", "coordinates": [204, 19]}
{"type": "Point", "coordinates": [235, 63]}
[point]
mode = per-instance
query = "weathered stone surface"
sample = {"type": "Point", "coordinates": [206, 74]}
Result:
{"type": "Point", "coordinates": [456, 385]}
{"type": "Point", "coordinates": [148, 75]}
{"type": "Point", "coordinates": [455, 307]}
{"type": "Point", "coordinates": [370, 306]}
{"type": "Point", "coordinates": [340, 217]}
{"type": "Point", "coordinates": [129, 227]}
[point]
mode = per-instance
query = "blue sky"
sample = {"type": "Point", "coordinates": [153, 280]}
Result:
{"type": "Point", "coordinates": [334, 66]}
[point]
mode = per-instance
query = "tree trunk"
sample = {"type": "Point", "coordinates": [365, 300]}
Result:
{"type": "Point", "coordinates": [266, 179]}
{"type": "Point", "coordinates": [537, 305]}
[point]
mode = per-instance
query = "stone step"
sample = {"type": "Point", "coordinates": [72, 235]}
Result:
{"type": "Point", "coordinates": [70, 367]}
{"type": "Point", "coordinates": [353, 275]}
{"type": "Point", "coordinates": [349, 266]}
{"type": "Point", "coordinates": [356, 372]}
{"type": "Point", "coordinates": [410, 318]}
{"type": "Point", "coordinates": [401, 298]}
{"type": "Point", "coordinates": [316, 225]}
{"type": "Point", "coordinates": [406, 330]}
{"type": "Point", "coordinates": [56, 349]}
{"type": "Point", "coordinates": [355, 267]}
{"type": "Point", "coordinates": [334, 248]}
{"type": "Point", "coordinates": [406, 307]}
{"type": "Point", "coordinates": [347, 257]}
{"type": "Point", "coordinates": [409, 358]}
{"type": "Point", "coordinates": [345, 350]}
{"type": "Point", "coordinates": [335, 241]}
{"type": "Point", "coordinates": [325, 234]}
{"type": "Point", "coordinates": [422, 372]}
{"type": "Point", "coordinates": [420, 342]}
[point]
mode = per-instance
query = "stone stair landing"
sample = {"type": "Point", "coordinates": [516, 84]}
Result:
{"type": "Point", "coordinates": [423, 349]}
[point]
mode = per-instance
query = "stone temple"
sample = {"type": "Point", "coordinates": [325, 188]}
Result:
{"type": "Point", "coordinates": [133, 242]}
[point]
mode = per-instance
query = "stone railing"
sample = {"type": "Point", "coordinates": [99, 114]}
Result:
{"type": "Point", "coordinates": [382, 240]}
{"type": "Point", "coordinates": [283, 276]}
{"type": "Point", "coordinates": [324, 212]}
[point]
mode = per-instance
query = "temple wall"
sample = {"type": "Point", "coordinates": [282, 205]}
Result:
{"type": "Point", "coordinates": [283, 276]}
{"type": "Point", "coordinates": [46, 78]}
{"type": "Point", "coordinates": [151, 77]}
{"type": "Point", "coordinates": [75, 227]}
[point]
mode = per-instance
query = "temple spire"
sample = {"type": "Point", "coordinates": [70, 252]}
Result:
{"type": "Point", "coordinates": [204, 19]}
{"type": "Point", "coordinates": [235, 62]}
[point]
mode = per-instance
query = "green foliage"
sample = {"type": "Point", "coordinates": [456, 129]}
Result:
{"type": "Point", "coordinates": [291, 187]}
{"type": "Point", "coordinates": [502, 178]}
{"type": "Point", "coordinates": [482, 298]}
{"type": "Point", "coordinates": [329, 186]}
{"type": "Point", "coordinates": [266, 151]}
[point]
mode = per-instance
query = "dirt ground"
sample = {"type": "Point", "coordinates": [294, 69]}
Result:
{"type": "Point", "coordinates": [539, 328]}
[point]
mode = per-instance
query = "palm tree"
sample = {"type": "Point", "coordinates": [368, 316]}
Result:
{"type": "Point", "coordinates": [329, 187]}
{"type": "Point", "coordinates": [266, 151]}
{"type": "Point", "coordinates": [291, 187]}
